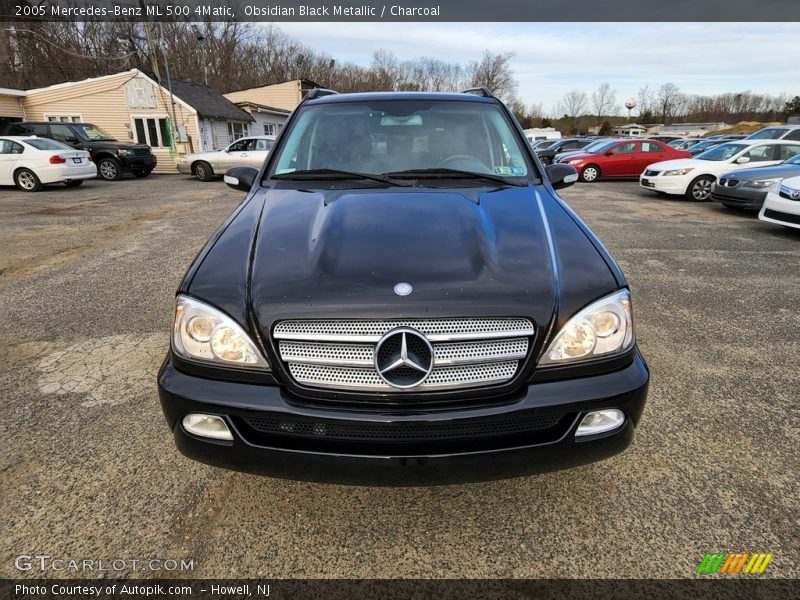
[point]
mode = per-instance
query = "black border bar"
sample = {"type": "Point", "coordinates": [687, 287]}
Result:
{"type": "Point", "coordinates": [645, 11]}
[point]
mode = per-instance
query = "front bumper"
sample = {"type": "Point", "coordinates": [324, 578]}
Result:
{"type": "Point", "coordinates": [676, 184]}
{"type": "Point", "coordinates": [738, 196]}
{"type": "Point", "coordinates": [138, 163]}
{"type": "Point", "coordinates": [407, 463]}
{"type": "Point", "coordinates": [185, 168]}
{"type": "Point", "coordinates": [781, 211]}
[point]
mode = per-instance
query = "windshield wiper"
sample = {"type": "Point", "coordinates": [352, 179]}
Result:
{"type": "Point", "coordinates": [315, 174]}
{"type": "Point", "coordinates": [444, 173]}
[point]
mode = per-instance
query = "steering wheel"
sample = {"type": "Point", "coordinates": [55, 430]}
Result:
{"type": "Point", "coordinates": [466, 162]}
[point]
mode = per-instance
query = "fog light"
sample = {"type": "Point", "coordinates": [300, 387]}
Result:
{"type": "Point", "coordinates": [210, 426]}
{"type": "Point", "coordinates": [600, 421]}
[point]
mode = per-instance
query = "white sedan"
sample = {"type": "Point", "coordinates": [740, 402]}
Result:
{"type": "Point", "coordinates": [246, 152]}
{"type": "Point", "coordinates": [694, 177]}
{"type": "Point", "coordinates": [782, 204]}
{"type": "Point", "coordinates": [30, 162]}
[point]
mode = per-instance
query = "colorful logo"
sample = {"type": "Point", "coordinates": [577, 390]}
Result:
{"type": "Point", "coordinates": [733, 563]}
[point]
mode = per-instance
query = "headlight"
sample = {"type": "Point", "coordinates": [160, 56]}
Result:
{"type": "Point", "coordinates": [205, 333]}
{"type": "Point", "coordinates": [124, 151]}
{"type": "Point", "coordinates": [575, 162]}
{"type": "Point", "coordinates": [601, 329]}
{"type": "Point", "coordinates": [760, 184]}
{"type": "Point", "coordinates": [678, 172]}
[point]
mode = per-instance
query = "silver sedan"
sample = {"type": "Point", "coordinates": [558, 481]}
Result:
{"type": "Point", "coordinates": [245, 152]}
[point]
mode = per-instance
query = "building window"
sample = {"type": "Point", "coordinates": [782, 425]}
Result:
{"type": "Point", "coordinates": [152, 131]}
{"type": "Point", "coordinates": [272, 128]}
{"type": "Point", "coordinates": [237, 131]}
{"type": "Point", "coordinates": [64, 118]}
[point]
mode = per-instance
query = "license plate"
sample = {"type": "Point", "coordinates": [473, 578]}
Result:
{"type": "Point", "coordinates": [77, 160]}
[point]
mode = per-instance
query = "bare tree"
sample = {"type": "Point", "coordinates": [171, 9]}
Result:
{"type": "Point", "coordinates": [604, 100]}
{"type": "Point", "coordinates": [670, 101]}
{"type": "Point", "coordinates": [494, 71]}
{"type": "Point", "coordinates": [574, 103]}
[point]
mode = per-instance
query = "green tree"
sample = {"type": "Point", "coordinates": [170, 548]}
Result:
{"type": "Point", "coordinates": [605, 128]}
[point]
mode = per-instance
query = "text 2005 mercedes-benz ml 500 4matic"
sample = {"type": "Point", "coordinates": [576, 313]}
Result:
{"type": "Point", "coordinates": [402, 297]}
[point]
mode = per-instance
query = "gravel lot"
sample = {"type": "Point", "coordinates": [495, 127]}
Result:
{"type": "Point", "coordinates": [89, 469]}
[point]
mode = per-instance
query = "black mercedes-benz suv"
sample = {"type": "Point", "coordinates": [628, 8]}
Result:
{"type": "Point", "coordinates": [402, 297]}
{"type": "Point", "coordinates": [112, 158]}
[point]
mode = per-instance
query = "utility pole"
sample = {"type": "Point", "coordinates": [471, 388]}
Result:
{"type": "Point", "coordinates": [169, 81]}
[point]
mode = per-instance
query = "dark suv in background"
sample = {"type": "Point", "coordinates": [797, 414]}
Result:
{"type": "Point", "coordinates": [113, 158]}
{"type": "Point", "coordinates": [566, 145]}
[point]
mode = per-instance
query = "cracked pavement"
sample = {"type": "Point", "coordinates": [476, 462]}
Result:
{"type": "Point", "coordinates": [89, 470]}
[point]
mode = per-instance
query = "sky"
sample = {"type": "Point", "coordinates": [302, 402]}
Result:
{"type": "Point", "coordinates": [554, 58]}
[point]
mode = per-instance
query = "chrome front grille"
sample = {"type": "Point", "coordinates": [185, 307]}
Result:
{"type": "Point", "coordinates": [341, 354]}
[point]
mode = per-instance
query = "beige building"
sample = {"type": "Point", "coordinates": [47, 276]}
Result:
{"type": "Point", "coordinates": [132, 106]}
{"type": "Point", "coordinates": [11, 106]}
{"type": "Point", "coordinates": [285, 96]}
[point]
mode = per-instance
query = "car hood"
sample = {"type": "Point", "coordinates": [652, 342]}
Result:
{"type": "Point", "coordinates": [682, 163]}
{"type": "Point", "coordinates": [112, 144]}
{"type": "Point", "coordinates": [474, 252]}
{"type": "Point", "coordinates": [204, 155]}
{"type": "Point", "coordinates": [766, 172]}
{"type": "Point", "coordinates": [578, 155]}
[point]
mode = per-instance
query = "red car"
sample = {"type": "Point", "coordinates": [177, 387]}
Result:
{"type": "Point", "coordinates": [622, 158]}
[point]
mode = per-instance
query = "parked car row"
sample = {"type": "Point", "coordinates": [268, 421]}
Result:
{"type": "Point", "coordinates": [112, 157]}
{"type": "Point", "coordinates": [618, 158]}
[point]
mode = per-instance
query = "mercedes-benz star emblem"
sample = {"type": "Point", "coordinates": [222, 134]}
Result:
{"type": "Point", "coordinates": [404, 358]}
{"type": "Point", "coordinates": [403, 289]}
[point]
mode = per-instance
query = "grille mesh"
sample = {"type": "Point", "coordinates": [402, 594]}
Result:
{"type": "Point", "coordinates": [442, 377]}
{"type": "Point", "coordinates": [403, 432]}
{"type": "Point", "coordinates": [340, 354]}
{"type": "Point", "coordinates": [432, 328]}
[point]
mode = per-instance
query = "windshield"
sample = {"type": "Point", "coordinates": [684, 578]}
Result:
{"type": "Point", "coordinates": [392, 136]}
{"type": "Point", "coordinates": [771, 133]}
{"type": "Point", "coordinates": [46, 144]}
{"type": "Point", "coordinates": [721, 152]}
{"type": "Point", "coordinates": [600, 147]}
{"type": "Point", "coordinates": [542, 144]}
{"type": "Point", "coordinates": [795, 160]}
{"type": "Point", "coordinates": [93, 133]}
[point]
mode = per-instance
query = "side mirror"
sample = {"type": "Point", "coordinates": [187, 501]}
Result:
{"type": "Point", "coordinates": [240, 178]}
{"type": "Point", "coordinates": [561, 175]}
{"type": "Point", "coordinates": [742, 160]}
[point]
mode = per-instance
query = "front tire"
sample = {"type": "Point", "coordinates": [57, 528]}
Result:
{"type": "Point", "coordinates": [590, 173]}
{"type": "Point", "coordinates": [109, 169]}
{"type": "Point", "coordinates": [73, 183]}
{"type": "Point", "coordinates": [203, 171]}
{"type": "Point", "coordinates": [27, 181]}
{"type": "Point", "coordinates": [700, 188]}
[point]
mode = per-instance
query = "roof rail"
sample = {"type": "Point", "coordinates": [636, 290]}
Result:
{"type": "Point", "coordinates": [480, 91]}
{"type": "Point", "coordinates": [318, 93]}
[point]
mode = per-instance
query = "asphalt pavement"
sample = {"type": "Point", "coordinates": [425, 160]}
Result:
{"type": "Point", "coordinates": [88, 469]}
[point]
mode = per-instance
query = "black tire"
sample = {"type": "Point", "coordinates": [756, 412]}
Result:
{"type": "Point", "coordinates": [109, 169]}
{"type": "Point", "coordinates": [203, 171]}
{"type": "Point", "coordinates": [593, 173]}
{"type": "Point", "coordinates": [142, 172]}
{"type": "Point", "coordinates": [73, 183]}
{"type": "Point", "coordinates": [27, 181]}
{"type": "Point", "coordinates": [699, 189]}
